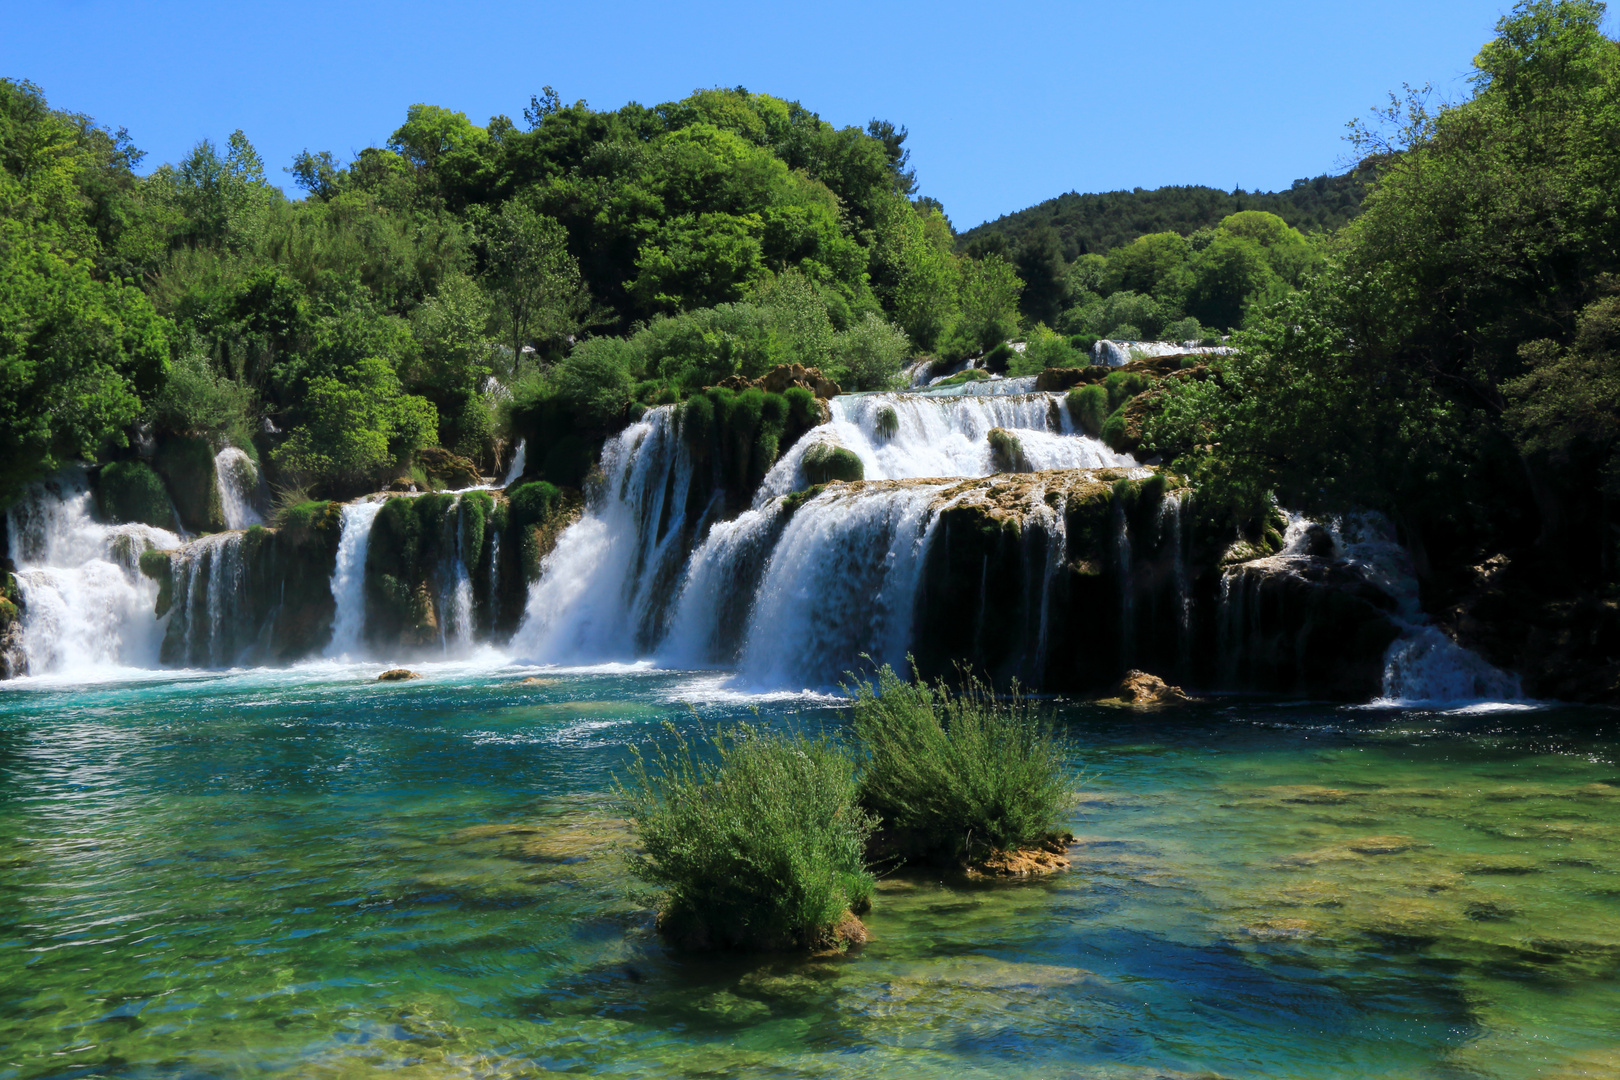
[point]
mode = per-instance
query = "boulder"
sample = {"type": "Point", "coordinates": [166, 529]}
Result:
{"type": "Point", "coordinates": [782, 376]}
{"type": "Point", "coordinates": [1006, 451]}
{"type": "Point", "coordinates": [1047, 857]}
{"type": "Point", "coordinates": [398, 675]}
{"type": "Point", "coordinates": [1141, 689]}
{"type": "Point", "coordinates": [447, 470]}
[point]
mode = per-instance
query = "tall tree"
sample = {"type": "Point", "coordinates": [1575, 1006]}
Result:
{"type": "Point", "coordinates": [536, 285]}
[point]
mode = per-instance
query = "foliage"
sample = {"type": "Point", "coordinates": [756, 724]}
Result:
{"type": "Point", "coordinates": [1043, 349]}
{"type": "Point", "coordinates": [870, 354]}
{"type": "Point", "coordinates": [198, 400]}
{"type": "Point", "coordinates": [356, 428]}
{"type": "Point", "coordinates": [534, 282]}
{"type": "Point", "coordinates": [755, 840]}
{"type": "Point", "coordinates": [1089, 406]}
{"type": "Point", "coordinates": [1103, 222]}
{"type": "Point", "coordinates": [131, 491]}
{"type": "Point", "coordinates": [989, 292]}
{"type": "Point", "coordinates": [952, 773]}
{"type": "Point", "coordinates": [826, 462]}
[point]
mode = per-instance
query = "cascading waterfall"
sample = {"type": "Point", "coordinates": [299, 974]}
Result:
{"type": "Point", "coordinates": [86, 604]}
{"type": "Point", "coordinates": [238, 480]}
{"type": "Point", "coordinates": [349, 578]}
{"type": "Point", "coordinates": [841, 582]}
{"type": "Point", "coordinates": [455, 586]}
{"type": "Point", "coordinates": [943, 437]}
{"type": "Point", "coordinates": [210, 588]}
{"type": "Point", "coordinates": [785, 599]}
{"type": "Point", "coordinates": [601, 591]}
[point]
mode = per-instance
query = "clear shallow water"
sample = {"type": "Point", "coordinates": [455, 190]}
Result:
{"type": "Point", "coordinates": [306, 873]}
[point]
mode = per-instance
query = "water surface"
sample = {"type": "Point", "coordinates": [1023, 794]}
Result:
{"type": "Point", "coordinates": [306, 873]}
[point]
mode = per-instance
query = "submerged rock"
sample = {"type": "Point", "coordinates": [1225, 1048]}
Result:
{"type": "Point", "coordinates": [398, 675]}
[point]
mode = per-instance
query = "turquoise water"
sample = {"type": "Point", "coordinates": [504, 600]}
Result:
{"type": "Point", "coordinates": [306, 873]}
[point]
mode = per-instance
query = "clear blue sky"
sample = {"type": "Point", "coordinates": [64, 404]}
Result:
{"type": "Point", "coordinates": [1008, 103]}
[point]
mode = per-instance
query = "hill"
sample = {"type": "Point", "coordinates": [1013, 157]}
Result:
{"type": "Point", "coordinates": [1103, 221]}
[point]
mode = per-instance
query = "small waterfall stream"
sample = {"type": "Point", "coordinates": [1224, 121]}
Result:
{"type": "Point", "coordinates": [238, 480]}
{"type": "Point", "coordinates": [349, 579]}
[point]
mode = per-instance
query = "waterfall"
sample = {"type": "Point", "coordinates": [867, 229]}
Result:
{"type": "Point", "coordinates": [520, 458]}
{"type": "Point", "coordinates": [238, 480]}
{"type": "Point", "coordinates": [841, 582]}
{"type": "Point", "coordinates": [601, 591]}
{"type": "Point", "coordinates": [1423, 665]}
{"type": "Point", "coordinates": [717, 595]}
{"type": "Point", "coordinates": [942, 437]}
{"type": "Point", "coordinates": [210, 599]}
{"type": "Point", "coordinates": [455, 586]}
{"type": "Point", "coordinates": [86, 605]}
{"type": "Point", "coordinates": [349, 578]}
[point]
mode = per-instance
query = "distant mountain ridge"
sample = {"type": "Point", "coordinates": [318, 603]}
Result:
{"type": "Point", "coordinates": [1103, 221]}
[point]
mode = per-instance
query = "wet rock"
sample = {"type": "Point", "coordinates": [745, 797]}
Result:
{"type": "Point", "coordinates": [398, 675]}
{"type": "Point", "coordinates": [1006, 452]}
{"type": "Point", "coordinates": [1365, 847]}
{"type": "Point", "coordinates": [783, 376]}
{"type": "Point", "coordinates": [1048, 857]}
{"type": "Point", "coordinates": [1138, 688]}
{"type": "Point", "coordinates": [537, 682]}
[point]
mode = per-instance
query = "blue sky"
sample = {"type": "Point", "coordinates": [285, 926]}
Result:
{"type": "Point", "coordinates": [1007, 103]}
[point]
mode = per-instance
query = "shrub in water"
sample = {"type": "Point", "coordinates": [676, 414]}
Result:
{"type": "Point", "coordinates": [1089, 407]}
{"type": "Point", "coordinates": [1113, 431]}
{"type": "Point", "coordinates": [825, 462]}
{"type": "Point", "coordinates": [131, 491]}
{"type": "Point", "coordinates": [760, 845]}
{"type": "Point", "coordinates": [888, 422]}
{"type": "Point", "coordinates": [1006, 452]}
{"type": "Point", "coordinates": [952, 775]}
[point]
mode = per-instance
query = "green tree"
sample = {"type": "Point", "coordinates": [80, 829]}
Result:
{"type": "Point", "coordinates": [870, 354]}
{"type": "Point", "coordinates": [536, 285]}
{"type": "Point", "coordinates": [356, 428]}
{"type": "Point", "coordinates": [988, 299]}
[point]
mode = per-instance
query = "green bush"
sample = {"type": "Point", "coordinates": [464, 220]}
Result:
{"type": "Point", "coordinates": [887, 422]}
{"type": "Point", "coordinates": [825, 462]}
{"type": "Point", "coordinates": [131, 491]}
{"type": "Point", "coordinates": [197, 400]}
{"type": "Point", "coordinates": [1124, 385]}
{"type": "Point", "coordinates": [1113, 430]}
{"type": "Point", "coordinates": [1089, 406]}
{"type": "Point", "coordinates": [870, 354]}
{"type": "Point", "coordinates": [999, 358]}
{"type": "Point", "coordinates": [760, 846]}
{"type": "Point", "coordinates": [966, 376]}
{"type": "Point", "coordinates": [1124, 332]}
{"type": "Point", "coordinates": [954, 774]}
{"type": "Point", "coordinates": [803, 411]}
{"type": "Point", "coordinates": [1006, 452]}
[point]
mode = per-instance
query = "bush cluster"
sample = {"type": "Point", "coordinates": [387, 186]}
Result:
{"type": "Point", "coordinates": [763, 842]}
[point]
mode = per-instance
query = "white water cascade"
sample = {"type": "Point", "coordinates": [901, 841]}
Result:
{"type": "Point", "coordinates": [210, 586]}
{"type": "Point", "coordinates": [784, 600]}
{"type": "Point", "coordinates": [601, 592]}
{"type": "Point", "coordinates": [86, 604]}
{"type": "Point", "coordinates": [455, 586]}
{"type": "Point", "coordinates": [520, 458]}
{"type": "Point", "coordinates": [238, 480]}
{"type": "Point", "coordinates": [917, 436]}
{"type": "Point", "coordinates": [349, 578]}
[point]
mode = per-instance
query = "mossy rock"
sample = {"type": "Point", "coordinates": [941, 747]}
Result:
{"type": "Point", "coordinates": [10, 613]}
{"type": "Point", "coordinates": [187, 463]}
{"type": "Point", "coordinates": [160, 568]}
{"type": "Point", "coordinates": [792, 502]}
{"type": "Point", "coordinates": [887, 422]}
{"type": "Point", "coordinates": [446, 470]}
{"type": "Point", "coordinates": [130, 491]}
{"type": "Point", "coordinates": [826, 462]}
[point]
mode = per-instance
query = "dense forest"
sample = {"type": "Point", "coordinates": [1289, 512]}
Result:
{"type": "Point", "coordinates": [1432, 336]}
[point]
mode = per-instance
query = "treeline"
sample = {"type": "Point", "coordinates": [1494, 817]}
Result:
{"type": "Point", "coordinates": [1097, 223]}
{"type": "Point", "coordinates": [424, 291]}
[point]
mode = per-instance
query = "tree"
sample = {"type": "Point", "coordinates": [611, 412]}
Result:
{"type": "Point", "coordinates": [538, 293]}
{"type": "Point", "coordinates": [870, 354]}
{"type": "Point", "coordinates": [355, 428]}
{"type": "Point", "coordinates": [989, 303]}
{"type": "Point", "coordinates": [1040, 265]}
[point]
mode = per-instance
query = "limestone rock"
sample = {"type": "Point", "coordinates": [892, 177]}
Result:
{"type": "Point", "coordinates": [1047, 857]}
{"type": "Point", "coordinates": [1142, 689]}
{"type": "Point", "coordinates": [783, 376]}
{"type": "Point", "coordinates": [398, 675]}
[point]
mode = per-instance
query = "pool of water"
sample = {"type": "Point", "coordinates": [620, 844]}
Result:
{"type": "Point", "coordinates": [306, 873]}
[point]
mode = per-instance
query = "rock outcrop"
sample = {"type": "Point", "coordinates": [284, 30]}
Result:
{"type": "Point", "coordinates": [1140, 689]}
{"type": "Point", "coordinates": [398, 675]}
{"type": "Point", "coordinates": [783, 376]}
